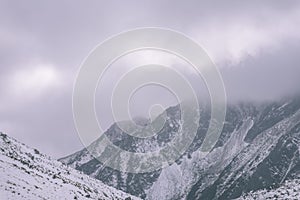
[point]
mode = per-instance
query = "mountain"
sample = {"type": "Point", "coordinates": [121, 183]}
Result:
{"type": "Point", "coordinates": [28, 174]}
{"type": "Point", "coordinates": [258, 149]}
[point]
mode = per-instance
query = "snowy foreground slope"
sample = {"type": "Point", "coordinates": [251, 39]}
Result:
{"type": "Point", "coordinates": [25, 173]}
{"type": "Point", "coordinates": [289, 190]}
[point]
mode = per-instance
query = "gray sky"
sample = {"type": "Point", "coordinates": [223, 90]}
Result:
{"type": "Point", "coordinates": [255, 44]}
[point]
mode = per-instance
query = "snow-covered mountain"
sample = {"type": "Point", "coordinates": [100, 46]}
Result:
{"type": "Point", "coordinates": [25, 173]}
{"type": "Point", "coordinates": [258, 149]}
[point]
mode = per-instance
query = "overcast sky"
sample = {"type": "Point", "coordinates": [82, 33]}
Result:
{"type": "Point", "coordinates": [255, 44]}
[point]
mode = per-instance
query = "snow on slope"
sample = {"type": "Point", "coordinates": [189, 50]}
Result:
{"type": "Point", "coordinates": [25, 173]}
{"type": "Point", "coordinates": [289, 190]}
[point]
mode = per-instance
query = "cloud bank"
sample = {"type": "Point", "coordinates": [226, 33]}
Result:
{"type": "Point", "coordinates": [255, 44]}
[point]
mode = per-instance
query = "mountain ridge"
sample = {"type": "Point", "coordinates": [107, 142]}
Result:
{"type": "Point", "coordinates": [239, 156]}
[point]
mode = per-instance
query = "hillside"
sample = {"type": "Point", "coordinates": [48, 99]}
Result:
{"type": "Point", "coordinates": [25, 173]}
{"type": "Point", "coordinates": [289, 190]}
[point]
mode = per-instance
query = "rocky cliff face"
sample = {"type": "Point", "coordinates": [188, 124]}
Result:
{"type": "Point", "coordinates": [258, 149]}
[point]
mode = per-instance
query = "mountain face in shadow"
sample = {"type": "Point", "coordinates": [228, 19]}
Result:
{"type": "Point", "coordinates": [258, 149]}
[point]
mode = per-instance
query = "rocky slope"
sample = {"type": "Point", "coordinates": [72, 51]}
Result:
{"type": "Point", "coordinates": [289, 190]}
{"type": "Point", "coordinates": [258, 149]}
{"type": "Point", "coordinates": [25, 173]}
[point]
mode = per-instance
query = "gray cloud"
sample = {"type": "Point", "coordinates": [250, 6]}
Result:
{"type": "Point", "coordinates": [254, 43]}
